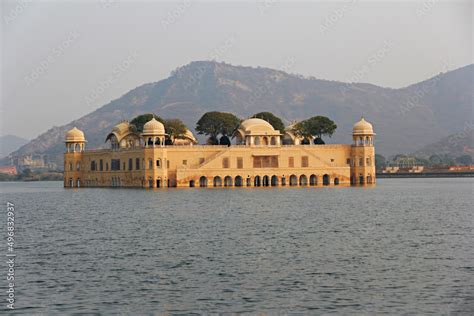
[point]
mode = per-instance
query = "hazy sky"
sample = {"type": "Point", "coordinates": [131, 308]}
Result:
{"type": "Point", "coordinates": [64, 59]}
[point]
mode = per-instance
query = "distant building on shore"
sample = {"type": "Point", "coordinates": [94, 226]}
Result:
{"type": "Point", "coordinates": [258, 159]}
{"type": "Point", "coordinates": [10, 170]}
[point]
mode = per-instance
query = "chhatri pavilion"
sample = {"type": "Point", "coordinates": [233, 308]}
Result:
{"type": "Point", "coordinates": [261, 157]}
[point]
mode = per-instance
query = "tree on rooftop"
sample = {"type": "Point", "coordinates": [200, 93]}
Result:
{"type": "Point", "coordinates": [140, 120]}
{"type": "Point", "coordinates": [274, 121]}
{"type": "Point", "coordinates": [316, 126]}
{"type": "Point", "coordinates": [175, 128]}
{"type": "Point", "coordinates": [215, 123]}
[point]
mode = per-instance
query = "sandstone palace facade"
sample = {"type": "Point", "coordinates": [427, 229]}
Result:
{"type": "Point", "coordinates": [262, 156]}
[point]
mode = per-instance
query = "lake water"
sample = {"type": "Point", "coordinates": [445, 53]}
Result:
{"type": "Point", "coordinates": [405, 246]}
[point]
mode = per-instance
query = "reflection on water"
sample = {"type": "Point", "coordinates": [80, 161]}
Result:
{"type": "Point", "coordinates": [404, 246]}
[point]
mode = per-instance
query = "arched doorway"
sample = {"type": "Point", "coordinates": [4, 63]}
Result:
{"type": "Point", "coordinates": [283, 181]}
{"type": "Point", "coordinates": [256, 181]}
{"type": "Point", "coordinates": [265, 181]}
{"type": "Point", "coordinates": [249, 182]}
{"type": "Point", "coordinates": [326, 179]}
{"type": "Point", "coordinates": [191, 184]}
{"type": "Point", "coordinates": [361, 180]}
{"type": "Point", "coordinates": [274, 181]}
{"type": "Point", "coordinates": [203, 182]}
{"type": "Point", "coordinates": [369, 179]}
{"type": "Point", "coordinates": [78, 182]}
{"type": "Point", "coordinates": [228, 181]}
{"type": "Point", "coordinates": [313, 180]}
{"type": "Point", "coordinates": [293, 180]}
{"type": "Point", "coordinates": [158, 183]}
{"type": "Point", "coordinates": [217, 181]}
{"type": "Point", "coordinates": [336, 181]}
{"type": "Point", "coordinates": [303, 180]}
{"type": "Point", "coordinates": [238, 181]}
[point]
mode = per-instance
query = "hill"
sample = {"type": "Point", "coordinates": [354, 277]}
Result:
{"type": "Point", "coordinates": [454, 145]}
{"type": "Point", "coordinates": [9, 143]}
{"type": "Point", "coordinates": [404, 119]}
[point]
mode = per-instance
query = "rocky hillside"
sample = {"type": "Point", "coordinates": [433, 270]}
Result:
{"type": "Point", "coordinates": [455, 145]}
{"type": "Point", "coordinates": [404, 119]}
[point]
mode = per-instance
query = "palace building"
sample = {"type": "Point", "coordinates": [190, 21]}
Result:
{"type": "Point", "coordinates": [261, 157]}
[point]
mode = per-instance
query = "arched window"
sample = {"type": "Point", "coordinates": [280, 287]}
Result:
{"type": "Point", "coordinates": [336, 181]}
{"type": "Point", "coordinates": [217, 181]}
{"type": "Point", "coordinates": [326, 179]}
{"type": "Point", "coordinates": [150, 164]}
{"type": "Point", "coordinates": [130, 163]}
{"type": "Point", "coordinates": [203, 182]}
{"type": "Point", "coordinates": [273, 141]}
{"type": "Point", "coordinates": [228, 181]}
{"type": "Point", "coordinates": [157, 141]}
{"type": "Point", "coordinates": [70, 166]}
{"type": "Point", "coordinates": [78, 166]}
{"type": "Point", "coordinates": [265, 141]}
{"type": "Point", "coordinates": [274, 181]}
{"type": "Point", "coordinates": [293, 180]}
{"type": "Point", "coordinates": [150, 141]}
{"type": "Point", "coordinates": [158, 163]}
{"type": "Point", "coordinates": [256, 140]}
{"type": "Point", "coordinates": [256, 181]}
{"type": "Point", "coordinates": [303, 180]}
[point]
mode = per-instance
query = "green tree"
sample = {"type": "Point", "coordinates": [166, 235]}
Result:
{"type": "Point", "coordinates": [175, 128]}
{"type": "Point", "coordinates": [215, 123]}
{"type": "Point", "coordinates": [275, 121]}
{"type": "Point", "coordinates": [140, 120]}
{"type": "Point", "coordinates": [316, 126]}
{"type": "Point", "coordinates": [465, 160]}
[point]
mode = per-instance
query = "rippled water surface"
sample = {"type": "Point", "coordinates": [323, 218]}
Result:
{"type": "Point", "coordinates": [405, 246]}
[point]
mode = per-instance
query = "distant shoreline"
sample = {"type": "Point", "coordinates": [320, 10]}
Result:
{"type": "Point", "coordinates": [426, 175]}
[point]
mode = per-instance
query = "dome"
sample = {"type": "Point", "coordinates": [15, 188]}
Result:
{"type": "Point", "coordinates": [256, 126]}
{"type": "Point", "coordinates": [121, 128]}
{"type": "Point", "coordinates": [75, 135]}
{"type": "Point", "coordinates": [189, 135]}
{"type": "Point", "coordinates": [362, 128]}
{"type": "Point", "coordinates": [153, 127]}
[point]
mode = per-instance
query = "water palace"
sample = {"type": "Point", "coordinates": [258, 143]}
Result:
{"type": "Point", "coordinates": [262, 157]}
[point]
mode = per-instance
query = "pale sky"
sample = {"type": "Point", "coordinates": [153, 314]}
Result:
{"type": "Point", "coordinates": [56, 54]}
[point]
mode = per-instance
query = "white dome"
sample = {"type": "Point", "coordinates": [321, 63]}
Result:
{"type": "Point", "coordinates": [153, 127]}
{"type": "Point", "coordinates": [362, 128]}
{"type": "Point", "coordinates": [75, 135]}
